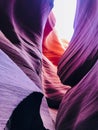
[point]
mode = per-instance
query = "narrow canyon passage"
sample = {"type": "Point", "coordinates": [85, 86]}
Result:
{"type": "Point", "coordinates": [48, 65]}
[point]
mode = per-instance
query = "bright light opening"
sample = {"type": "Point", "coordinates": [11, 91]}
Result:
{"type": "Point", "coordinates": [64, 11]}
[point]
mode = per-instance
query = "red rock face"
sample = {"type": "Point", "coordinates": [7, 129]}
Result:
{"type": "Point", "coordinates": [52, 50]}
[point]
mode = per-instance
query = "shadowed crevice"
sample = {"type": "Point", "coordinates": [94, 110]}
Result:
{"type": "Point", "coordinates": [26, 115]}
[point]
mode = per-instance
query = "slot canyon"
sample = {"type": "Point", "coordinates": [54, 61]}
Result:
{"type": "Point", "coordinates": [48, 82]}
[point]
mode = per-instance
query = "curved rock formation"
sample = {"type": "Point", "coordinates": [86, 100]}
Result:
{"type": "Point", "coordinates": [28, 74]}
{"type": "Point", "coordinates": [54, 90]}
{"type": "Point", "coordinates": [21, 31]}
{"type": "Point", "coordinates": [52, 51]}
{"type": "Point", "coordinates": [78, 67]}
{"type": "Point", "coordinates": [79, 107]}
{"type": "Point", "coordinates": [23, 25]}
{"type": "Point", "coordinates": [82, 52]}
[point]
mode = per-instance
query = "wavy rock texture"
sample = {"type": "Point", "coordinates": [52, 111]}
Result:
{"type": "Point", "coordinates": [79, 107]}
{"type": "Point", "coordinates": [78, 67]}
{"type": "Point", "coordinates": [82, 52]}
{"type": "Point", "coordinates": [53, 89]}
{"type": "Point", "coordinates": [22, 105]}
{"type": "Point", "coordinates": [15, 86]}
{"type": "Point", "coordinates": [52, 51]}
{"type": "Point", "coordinates": [53, 48]}
{"type": "Point", "coordinates": [28, 74]}
{"type": "Point", "coordinates": [52, 44]}
{"type": "Point", "coordinates": [23, 24]}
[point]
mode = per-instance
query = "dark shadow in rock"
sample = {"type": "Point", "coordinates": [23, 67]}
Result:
{"type": "Point", "coordinates": [26, 115]}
